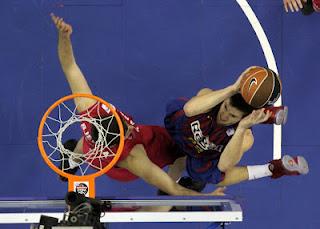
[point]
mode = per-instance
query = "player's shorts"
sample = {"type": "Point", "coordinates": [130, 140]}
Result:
{"type": "Point", "coordinates": [204, 170]}
{"type": "Point", "coordinates": [198, 168]}
{"type": "Point", "coordinates": [158, 144]}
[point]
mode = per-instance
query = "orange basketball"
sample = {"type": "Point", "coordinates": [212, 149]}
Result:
{"type": "Point", "coordinates": [260, 86]}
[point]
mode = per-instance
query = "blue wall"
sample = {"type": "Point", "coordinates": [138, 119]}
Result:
{"type": "Point", "coordinates": [138, 54]}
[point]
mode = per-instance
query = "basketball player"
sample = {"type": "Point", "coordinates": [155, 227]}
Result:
{"type": "Point", "coordinates": [147, 149]}
{"type": "Point", "coordinates": [214, 130]}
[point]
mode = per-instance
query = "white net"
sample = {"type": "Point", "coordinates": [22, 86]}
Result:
{"type": "Point", "coordinates": [99, 152]}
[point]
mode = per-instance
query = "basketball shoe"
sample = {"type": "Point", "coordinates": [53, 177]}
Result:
{"type": "Point", "coordinates": [278, 116]}
{"type": "Point", "coordinates": [289, 166]}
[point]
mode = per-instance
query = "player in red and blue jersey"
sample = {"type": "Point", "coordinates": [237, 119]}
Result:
{"type": "Point", "coordinates": [213, 129]}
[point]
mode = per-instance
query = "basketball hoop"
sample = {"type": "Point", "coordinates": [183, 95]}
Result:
{"type": "Point", "coordinates": [98, 160]}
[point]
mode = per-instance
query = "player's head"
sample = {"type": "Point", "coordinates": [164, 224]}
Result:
{"type": "Point", "coordinates": [111, 130]}
{"type": "Point", "coordinates": [233, 109]}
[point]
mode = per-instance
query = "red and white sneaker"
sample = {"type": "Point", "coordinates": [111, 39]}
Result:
{"type": "Point", "coordinates": [289, 166]}
{"type": "Point", "coordinates": [279, 115]}
{"type": "Point", "coordinates": [316, 5]}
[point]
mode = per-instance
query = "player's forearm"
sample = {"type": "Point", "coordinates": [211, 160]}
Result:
{"type": "Point", "coordinates": [182, 191]}
{"type": "Point", "coordinates": [232, 154]}
{"type": "Point", "coordinates": [65, 52]}
{"type": "Point", "coordinates": [73, 73]}
{"type": "Point", "coordinates": [203, 103]}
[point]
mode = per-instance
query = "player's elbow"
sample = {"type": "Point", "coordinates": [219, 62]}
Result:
{"type": "Point", "coordinates": [189, 110]}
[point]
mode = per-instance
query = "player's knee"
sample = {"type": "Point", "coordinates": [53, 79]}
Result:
{"type": "Point", "coordinates": [224, 166]}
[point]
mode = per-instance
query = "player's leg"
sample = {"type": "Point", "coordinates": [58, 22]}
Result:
{"type": "Point", "coordinates": [175, 172]}
{"type": "Point", "coordinates": [234, 176]}
{"type": "Point", "coordinates": [176, 169]}
{"type": "Point", "coordinates": [288, 166]}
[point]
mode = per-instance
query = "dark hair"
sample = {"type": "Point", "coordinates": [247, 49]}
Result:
{"type": "Point", "coordinates": [111, 128]}
{"type": "Point", "coordinates": [238, 102]}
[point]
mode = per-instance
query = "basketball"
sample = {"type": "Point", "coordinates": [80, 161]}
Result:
{"type": "Point", "coordinates": [260, 86]}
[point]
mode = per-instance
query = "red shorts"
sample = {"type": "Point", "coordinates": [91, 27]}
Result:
{"type": "Point", "coordinates": [158, 145]}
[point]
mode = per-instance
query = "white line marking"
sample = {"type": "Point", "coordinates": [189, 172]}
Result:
{"type": "Point", "coordinates": [265, 45]}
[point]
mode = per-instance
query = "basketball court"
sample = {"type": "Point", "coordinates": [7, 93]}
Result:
{"type": "Point", "coordinates": [138, 55]}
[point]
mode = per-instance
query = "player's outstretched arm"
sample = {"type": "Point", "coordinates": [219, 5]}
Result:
{"type": "Point", "coordinates": [75, 78]}
{"type": "Point", "coordinates": [206, 98]}
{"type": "Point", "coordinates": [139, 164]}
{"type": "Point", "coordinates": [220, 191]}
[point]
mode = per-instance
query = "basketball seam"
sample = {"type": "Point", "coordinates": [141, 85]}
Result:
{"type": "Point", "coordinates": [258, 86]}
{"type": "Point", "coordinates": [273, 84]}
{"type": "Point", "coordinates": [249, 78]}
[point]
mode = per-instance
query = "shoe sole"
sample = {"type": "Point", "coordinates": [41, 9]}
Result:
{"type": "Point", "coordinates": [281, 116]}
{"type": "Point", "coordinates": [301, 167]}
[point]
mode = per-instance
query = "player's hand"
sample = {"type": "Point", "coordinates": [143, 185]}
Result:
{"type": "Point", "coordinates": [219, 191]}
{"type": "Point", "coordinates": [293, 5]}
{"type": "Point", "coordinates": [237, 84]}
{"type": "Point", "coordinates": [63, 28]}
{"type": "Point", "coordinates": [256, 117]}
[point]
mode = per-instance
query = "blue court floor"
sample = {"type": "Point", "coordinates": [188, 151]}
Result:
{"type": "Point", "coordinates": [139, 54]}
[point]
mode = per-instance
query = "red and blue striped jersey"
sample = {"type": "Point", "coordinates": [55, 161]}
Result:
{"type": "Point", "coordinates": [199, 136]}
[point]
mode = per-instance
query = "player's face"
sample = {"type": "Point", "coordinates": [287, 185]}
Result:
{"type": "Point", "coordinates": [228, 114]}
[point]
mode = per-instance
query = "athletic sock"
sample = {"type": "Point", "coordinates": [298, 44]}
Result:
{"type": "Point", "coordinates": [258, 171]}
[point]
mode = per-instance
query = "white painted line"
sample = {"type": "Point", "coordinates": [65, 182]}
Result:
{"type": "Point", "coordinates": [265, 45]}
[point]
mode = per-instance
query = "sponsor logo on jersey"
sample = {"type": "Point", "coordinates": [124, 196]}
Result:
{"type": "Point", "coordinates": [203, 141]}
{"type": "Point", "coordinates": [127, 118]}
{"type": "Point", "coordinates": [107, 109]}
{"type": "Point", "coordinates": [230, 131]}
{"type": "Point", "coordinates": [86, 133]}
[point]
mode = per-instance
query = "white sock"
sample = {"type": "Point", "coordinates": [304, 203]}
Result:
{"type": "Point", "coordinates": [72, 163]}
{"type": "Point", "coordinates": [258, 171]}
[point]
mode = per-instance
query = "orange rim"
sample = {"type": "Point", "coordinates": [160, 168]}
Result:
{"type": "Point", "coordinates": [67, 175]}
